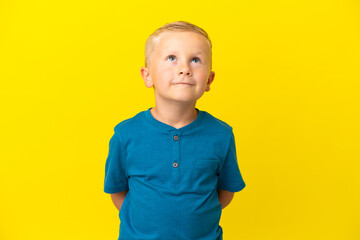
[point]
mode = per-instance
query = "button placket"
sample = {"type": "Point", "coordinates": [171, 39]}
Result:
{"type": "Point", "coordinates": [176, 136]}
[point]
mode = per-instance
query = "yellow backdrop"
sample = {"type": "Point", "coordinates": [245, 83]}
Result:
{"type": "Point", "coordinates": [287, 81]}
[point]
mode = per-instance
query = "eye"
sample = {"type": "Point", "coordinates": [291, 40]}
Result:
{"type": "Point", "coordinates": [171, 58]}
{"type": "Point", "coordinates": [197, 60]}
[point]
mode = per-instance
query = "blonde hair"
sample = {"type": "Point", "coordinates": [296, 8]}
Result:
{"type": "Point", "coordinates": [179, 26]}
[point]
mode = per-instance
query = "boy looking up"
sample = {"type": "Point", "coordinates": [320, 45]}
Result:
{"type": "Point", "coordinates": [172, 168]}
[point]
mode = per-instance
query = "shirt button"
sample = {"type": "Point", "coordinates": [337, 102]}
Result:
{"type": "Point", "coordinates": [175, 165]}
{"type": "Point", "coordinates": [176, 137]}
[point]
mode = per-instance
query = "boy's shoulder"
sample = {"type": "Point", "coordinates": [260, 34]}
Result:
{"type": "Point", "coordinates": [214, 121]}
{"type": "Point", "coordinates": [130, 123]}
{"type": "Point", "coordinates": [216, 127]}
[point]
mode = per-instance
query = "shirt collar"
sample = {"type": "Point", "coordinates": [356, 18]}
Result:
{"type": "Point", "coordinates": [167, 128]}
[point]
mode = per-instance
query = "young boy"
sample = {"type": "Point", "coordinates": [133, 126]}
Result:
{"type": "Point", "coordinates": [171, 169]}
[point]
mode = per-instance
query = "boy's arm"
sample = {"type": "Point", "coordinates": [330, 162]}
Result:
{"type": "Point", "coordinates": [225, 197]}
{"type": "Point", "coordinates": [118, 198]}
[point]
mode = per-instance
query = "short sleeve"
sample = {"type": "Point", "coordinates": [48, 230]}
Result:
{"type": "Point", "coordinates": [230, 178]}
{"type": "Point", "coordinates": [115, 169]}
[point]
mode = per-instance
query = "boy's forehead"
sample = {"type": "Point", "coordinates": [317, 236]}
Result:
{"type": "Point", "coordinates": [177, 40]}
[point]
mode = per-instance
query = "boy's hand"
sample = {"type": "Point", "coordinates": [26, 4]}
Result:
{"type": "Point", "coordinates": [225, 197]}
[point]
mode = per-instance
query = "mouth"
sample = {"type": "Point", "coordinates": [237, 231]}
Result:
{"type": "Point", "coordinates": [183, 83]}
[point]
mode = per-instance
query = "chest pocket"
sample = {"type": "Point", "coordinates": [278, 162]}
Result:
{"type": "Point", "coordinates": [205, 175]}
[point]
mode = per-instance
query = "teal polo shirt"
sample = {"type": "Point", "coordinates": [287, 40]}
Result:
{"type": "Point", "coordinates": [172, 176]}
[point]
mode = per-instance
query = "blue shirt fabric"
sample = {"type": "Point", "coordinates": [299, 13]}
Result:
{"type": "Point", "coordinates": [172, 176]}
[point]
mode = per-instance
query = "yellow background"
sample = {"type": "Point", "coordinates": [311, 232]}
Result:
{"type": "Point", "coordinates": [287, 81]}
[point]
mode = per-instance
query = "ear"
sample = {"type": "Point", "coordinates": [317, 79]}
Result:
{"type": "Point", "coordinates": [210, 80]}
{"type": "Point", "coordinates": [145, 74]}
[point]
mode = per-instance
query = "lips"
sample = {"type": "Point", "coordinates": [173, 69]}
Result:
{"type": "Point", "coordinates": [183, 83]}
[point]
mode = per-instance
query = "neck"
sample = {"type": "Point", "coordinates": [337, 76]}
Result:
{"type": "Point", "coordinates": [175, 115]}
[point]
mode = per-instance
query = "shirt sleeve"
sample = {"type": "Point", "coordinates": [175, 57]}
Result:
{"type": "Point", "coordinates": [115, 169]}
{"type": "Point", "coordinates": [230, 178]}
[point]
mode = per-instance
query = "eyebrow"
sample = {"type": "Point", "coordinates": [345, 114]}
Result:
{"type": "Point", "coordinates": [201, 53]}
{"type": "Point", "coordinates": [197, 53]}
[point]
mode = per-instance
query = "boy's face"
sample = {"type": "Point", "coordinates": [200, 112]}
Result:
{"type": "Point", "coordinates": [179, 67]}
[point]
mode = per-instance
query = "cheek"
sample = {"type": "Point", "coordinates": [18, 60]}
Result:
{"type": "Point", "coordinates": [201, 74]}
{"type": "Point", "coordinates": [163, 71]}
{"type": "Point", "coordinates": [164, 76]}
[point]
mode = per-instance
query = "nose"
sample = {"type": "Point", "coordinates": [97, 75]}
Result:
{"type": "Point", "coordinates": [184, 69]}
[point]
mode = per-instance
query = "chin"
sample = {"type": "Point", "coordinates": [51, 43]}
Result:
{"type": "Point", "coordinates": [184, 100]}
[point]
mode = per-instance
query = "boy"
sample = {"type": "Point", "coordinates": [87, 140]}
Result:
{"type": "Point", "coordinates": [172, 169]}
